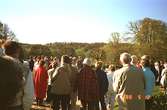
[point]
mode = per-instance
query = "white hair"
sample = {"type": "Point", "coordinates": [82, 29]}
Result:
{"type": "Point", "coordinates": [87, 61]}
{"type": "Point", "coordinates": [125, 58]}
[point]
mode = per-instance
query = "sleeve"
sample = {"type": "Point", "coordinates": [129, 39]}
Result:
{"type": "Point", "coordinates": [106, 82]}
{"type": "Point", "coordinates": [115, 82]}
{"type": "Point", "coordinates": [28, 92]}
{"type": "Point", "coordinates": [55, 74]}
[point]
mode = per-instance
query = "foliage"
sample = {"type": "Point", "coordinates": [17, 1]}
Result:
{"type": "Point", "coordinates": [149, 31]}
{"type": "Point", "coordinates": [113, 51]}
{"type": "Point", "coordinates": [80, 52]}
{"type": "Point", "coordinates": [6, 33]}
{"type": "Point", "coordinates": [39, 50]}
{"type": "Point", "coordinates": [150, 37]}
{"type": "Point", "coordinates": [115, 38]}
{"type": "Point", "coordinates": [158, 101]}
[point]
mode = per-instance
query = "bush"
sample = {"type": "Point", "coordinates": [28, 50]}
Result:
{"type": "Point", "coordinates": [158, 101]}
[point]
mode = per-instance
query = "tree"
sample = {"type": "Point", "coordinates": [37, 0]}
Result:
{"type": "Point", "coordinates": [150, 36]}
{"type": "Point", "coordinates": [149, 31]}
{"type": "Point", "coordinates": [113, 52]}
{"type": "Point", "coordinates": [36, 50]}
{"type": "Point", "coordinates": [80, 52]}
{"type": "Point", "coordinates": [6, 32]}
{"type": "Point", "coordinates": [115, 38]}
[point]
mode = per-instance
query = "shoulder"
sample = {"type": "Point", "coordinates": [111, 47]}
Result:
{"type": "Point", "coordinates": [164, 70]}
{"type": "Point", "coordinates": [50, 69]}
{"type": "Point", "coordinates": [119, 71]}
{"type": "Point", "coordinates": [60, 69]}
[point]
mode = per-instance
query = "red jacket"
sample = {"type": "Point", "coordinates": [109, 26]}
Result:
{"type": "Point", "coordinates": [40, 82]}
{"type": "Point", "coordinates": [88, 89]}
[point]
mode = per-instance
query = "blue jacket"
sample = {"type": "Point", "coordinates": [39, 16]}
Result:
{"type": "Point", "coordinates": [150, 80]}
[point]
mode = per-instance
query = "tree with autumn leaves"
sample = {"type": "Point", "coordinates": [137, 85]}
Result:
{"type": "Point", "coordinates": [150, 37]}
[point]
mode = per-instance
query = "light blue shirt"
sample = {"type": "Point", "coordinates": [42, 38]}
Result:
{"type": "Point", "coordinates": [110, 80]}
{"type": "Point", "coordinates": [150, 80]}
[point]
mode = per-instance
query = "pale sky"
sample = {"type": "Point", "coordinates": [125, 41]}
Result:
{"type": "Point", "coordinates": [44, 21]}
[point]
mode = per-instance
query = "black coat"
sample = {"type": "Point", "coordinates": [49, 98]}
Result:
{"type": "Point", "coordinates": [102, 81]}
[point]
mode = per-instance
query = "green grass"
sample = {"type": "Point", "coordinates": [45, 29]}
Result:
{"type": "Point", "coordinates": [157, 90]}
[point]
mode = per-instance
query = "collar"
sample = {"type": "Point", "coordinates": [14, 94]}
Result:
{"type": "Point", "coordinates": [126, 65]}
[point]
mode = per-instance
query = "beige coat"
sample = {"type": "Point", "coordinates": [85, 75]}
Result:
{"type": "Point", "coordinates": [129, 83]}
{"type": "Point", "coordinates": [61, 84]}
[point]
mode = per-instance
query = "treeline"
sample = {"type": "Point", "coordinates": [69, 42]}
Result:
{"type": "Point", "coordinates": [146, 36]}
{"type": "Point", "coordinates": [108, 52]}
{"type": "Point", "coordinates": [58, 49]}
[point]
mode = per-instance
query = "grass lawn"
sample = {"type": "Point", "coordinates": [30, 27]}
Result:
{"type": "Point", "coordinates": [157, 90]}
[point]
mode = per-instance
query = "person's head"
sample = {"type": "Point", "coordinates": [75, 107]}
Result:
{"type": "Point", "coordinates": [134, 60]}
{"type": "Point", "coordinates": [54, 64]}
{"type": "Point", "coordinates": [55, 59]}
{"type": "Point", "coordinates": [79, 63]}
{"type": "Point", "coordinates": [87, 62]}
{"type": "Point", "coordinates": [125, 58]}
{"type": "Point", "coordinates": [2, 41]}
{"type": "Point", "coordinates": [41, 63]}
{"type": "Point", "coordinates": [38, 58]}
{"type": "Point", "coordinates": [74, 60]}
{"type": "Point", "coordinates": [65, 59]}
{"type": "Point", "coordinates": [165, 64]}
{"type": "Point", "coordinates": [161, 62]}
{"type": "Point", "coordinates": [156, 64]}
{"type": "Point", "coordinates": [111, 67]}
{"type": "Point", "coordinates": [145, 61]}
{"type": "Point", "coordinates": [99, 64]}
{"type": "Point", "coordinates": [10, 83]}
{"type": "Point", "coordinates": [12, 48]}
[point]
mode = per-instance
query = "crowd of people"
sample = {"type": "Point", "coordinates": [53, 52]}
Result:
{"type": "Point", "coordinates": [63, 82]}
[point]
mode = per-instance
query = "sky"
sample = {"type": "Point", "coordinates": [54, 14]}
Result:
{"type": "Point", "coordinates": [45, 21]}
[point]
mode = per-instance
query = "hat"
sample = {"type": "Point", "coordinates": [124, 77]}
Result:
{"type": "Point", "coordinates": [87, 61]}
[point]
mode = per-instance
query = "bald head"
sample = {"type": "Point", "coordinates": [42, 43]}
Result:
{"type": "Point", "coordinates": [125, 58]}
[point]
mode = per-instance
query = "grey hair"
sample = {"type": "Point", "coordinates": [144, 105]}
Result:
{"type": "Point", "coordinates": [125, 58]}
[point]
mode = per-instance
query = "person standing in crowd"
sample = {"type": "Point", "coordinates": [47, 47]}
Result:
{"type": "Point", "coordinates": [10, 84]}
{"type": "Point", "coordinates": [1, 48]}
{"type": "Point", "coordinates": [40, 82]}
{"type": "Point", "coordinates": [74, 74]}
{"type": "Point", "coordinates": [134, 61]}
{"type": "Point", "coordinates": [164, 76]}
{"type": "Point", "coordinates": [149, 78]}
{"type": "Point", "coordinates": [54, 65]}
{"type": "Point", "coordinates": [29, 87]}
{"type": "Point", "coordinates": [103, 83]}
{"type": "Point", "coordinates": [88, 88]}
{"type": "Point", "coordinates": [158, 70]}
{"type": "Point", "coordinates": [152, 67]}
{"type": "Point", "coordinates": [47, 63]}
{"type": "Point", "coordinates": [74, 62]}
{"type": "Point", "coordinates": [61, 85]}
{"type": "Point", "coordinates": [36, 63]}
{"type": "Point", "coordinates": [31, 63]}
{"type": "Point", "coordinates": [129, 85]}
{"type": "Point", "coordinates": [110, 99]}
{"type": "Point", "coordinates": [23, 99]}
{"type": "Point", "coordinates": [79, 64]}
